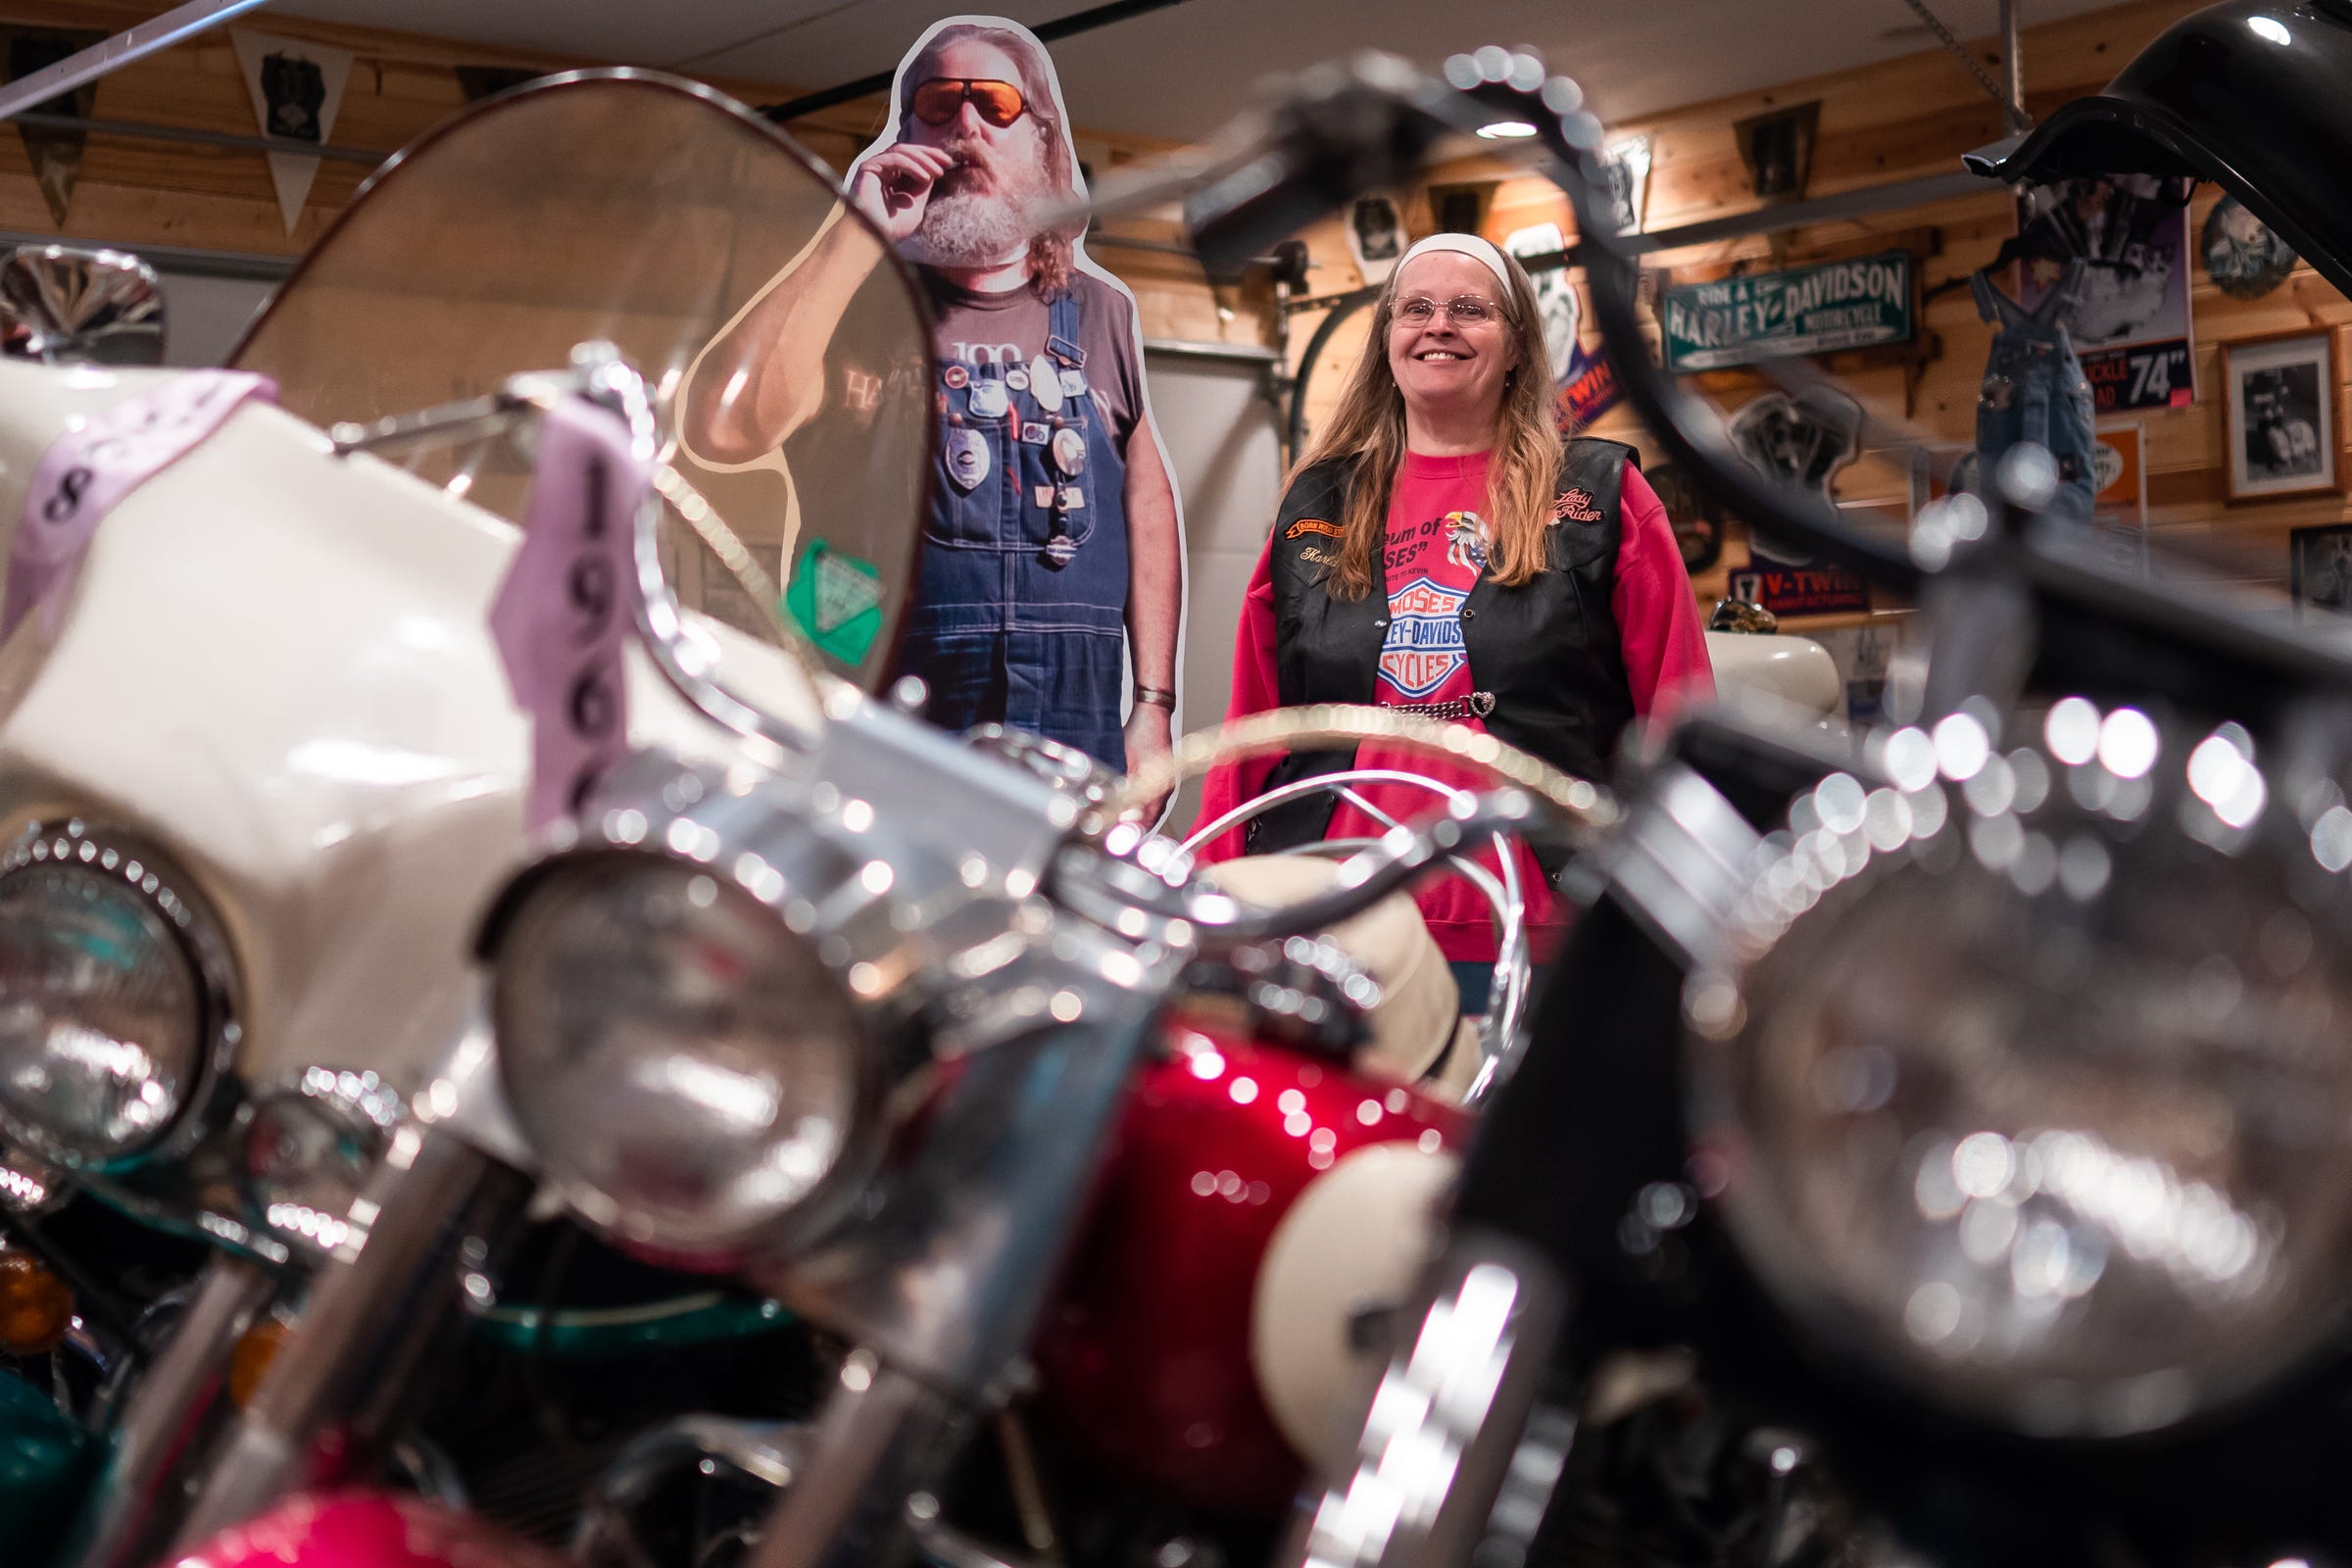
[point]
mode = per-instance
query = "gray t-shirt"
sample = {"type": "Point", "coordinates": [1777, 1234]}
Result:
{"type": "Point", "coordinates": [1011, 327]}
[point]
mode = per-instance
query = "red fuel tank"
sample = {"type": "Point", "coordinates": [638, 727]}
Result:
{"type": "Point", "coordinates": [1147, 1359]}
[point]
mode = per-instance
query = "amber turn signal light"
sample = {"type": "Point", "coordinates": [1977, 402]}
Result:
{"type": "Point", "coordinates": [35, 1306]}
{"type": "Point", "coordinates": [251, 1362]}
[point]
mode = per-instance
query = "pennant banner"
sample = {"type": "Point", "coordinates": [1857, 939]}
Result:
{"type": "Point", "coordinates": [296, 88]}
{"type": "Point", "coordinates": [55, 151]}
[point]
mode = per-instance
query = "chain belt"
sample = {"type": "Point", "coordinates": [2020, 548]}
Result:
{"type": "Point", "coordinates": [1477, 704]}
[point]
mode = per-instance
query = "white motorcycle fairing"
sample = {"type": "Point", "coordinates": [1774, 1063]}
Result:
{"type": "Point", "coordinates": [276, 666]}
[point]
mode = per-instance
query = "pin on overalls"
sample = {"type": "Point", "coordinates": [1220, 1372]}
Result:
{"type": "Point", "coordinates": [1021, 614]}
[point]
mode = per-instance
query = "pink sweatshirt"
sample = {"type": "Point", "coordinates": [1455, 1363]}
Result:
{"type": "Point", "coordinates": [1665, 651]}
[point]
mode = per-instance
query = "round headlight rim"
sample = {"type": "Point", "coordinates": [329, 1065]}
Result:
{"type": "Point", "coordinates": [801, 1224]}
{"type": "Point", "coordinates": [75, 843]}
{"type": "Point", "coordinates": [1719, 1019]}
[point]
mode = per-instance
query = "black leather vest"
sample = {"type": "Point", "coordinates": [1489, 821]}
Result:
{"type": "Point", "coordinates": [1549, 650]}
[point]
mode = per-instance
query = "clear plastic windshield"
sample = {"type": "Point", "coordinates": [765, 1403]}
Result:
{"type": "Point", "coordinates": [786, 350]}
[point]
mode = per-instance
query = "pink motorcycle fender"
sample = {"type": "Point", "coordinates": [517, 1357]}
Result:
{"type": "Point", "coordinates": [367, 1530]}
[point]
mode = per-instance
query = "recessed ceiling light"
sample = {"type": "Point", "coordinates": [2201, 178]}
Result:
{"type": "Point", "coordinates": [1507, 130]}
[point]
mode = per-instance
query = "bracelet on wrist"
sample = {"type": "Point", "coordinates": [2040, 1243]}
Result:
{"type": "Point", "coordinates": [1155, 696]}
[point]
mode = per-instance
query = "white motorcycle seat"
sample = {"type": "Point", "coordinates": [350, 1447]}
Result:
{"type": "Point", "coordinates": [1418, 1015]}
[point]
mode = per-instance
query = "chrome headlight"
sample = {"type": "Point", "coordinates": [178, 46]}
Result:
{"type": "Point", "coordinates": [307, 1146]}
{"type": "Point", "coordinates": [2029, 1080]}
{"type": "Point", "coordinates": [696, 1037]}
{"type": "Point", "coordinates": [115, 1012]}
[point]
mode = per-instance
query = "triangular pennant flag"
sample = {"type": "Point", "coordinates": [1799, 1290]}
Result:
{"type": "Point", "coordinates": [55, 151]}
{"type": "Point", "coordinates": [296, 88]}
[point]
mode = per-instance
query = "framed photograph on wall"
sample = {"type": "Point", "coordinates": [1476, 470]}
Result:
{"type": "Point", "coordinates": [2320, 566]}
{"type": "Point", "coordinates": [2281, 438]}
{"type": "Point", "coordinates": [1628, 163]}
{"type": "Point", "coordinates": [1376, 236]}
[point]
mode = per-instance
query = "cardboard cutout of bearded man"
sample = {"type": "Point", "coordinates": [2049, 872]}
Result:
{"type": "Point", "coordinates": [1052, 552]}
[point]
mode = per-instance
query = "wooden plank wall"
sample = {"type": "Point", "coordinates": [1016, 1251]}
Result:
{"type": "Point", "coordinates": [1905, 119]}
{"type": "Point", "coordinates": [1895, 121]}
{"type": "Point", "coordinates": [138, 192]}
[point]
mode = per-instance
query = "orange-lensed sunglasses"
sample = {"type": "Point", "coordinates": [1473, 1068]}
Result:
{"type": "Point", "coordinates": [939, 100]}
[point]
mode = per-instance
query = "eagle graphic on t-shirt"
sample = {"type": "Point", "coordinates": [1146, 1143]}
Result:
{"type": "Point", "coordinates": [1466, 541]}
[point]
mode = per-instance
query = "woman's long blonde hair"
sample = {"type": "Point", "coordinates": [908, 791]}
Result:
{"type": "Point", "coordinates": [1366, 436]}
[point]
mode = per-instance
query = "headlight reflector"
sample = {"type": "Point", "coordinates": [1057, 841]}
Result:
{"type": "Point", "coordinates": [690, 1068]}
{"type": "Point", "coordinates": [2030, 1087]}
{"type": "Point", "coordinates": [108, 1022]}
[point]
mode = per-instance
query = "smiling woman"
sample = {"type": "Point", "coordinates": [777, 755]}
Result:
{"type": "Point", "coordinates": [1443, 551]}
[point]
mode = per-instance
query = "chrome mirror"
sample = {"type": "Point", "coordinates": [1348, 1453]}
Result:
{"type": "Point", "coordinates": [61, 305]}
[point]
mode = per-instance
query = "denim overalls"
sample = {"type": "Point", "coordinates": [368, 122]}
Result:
{"type": "Point", "coordinates": [1021, 614]}
{"type": "Point", "coordinates": [2034, 389]}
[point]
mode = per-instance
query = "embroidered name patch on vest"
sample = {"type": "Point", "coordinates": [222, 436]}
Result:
{"type": "Point", "coordinates": [1576, 505]}
{"type": "Point", "coordinates": [1424, 645]}
{"type": "Point", "coordinates": [1330, 530]}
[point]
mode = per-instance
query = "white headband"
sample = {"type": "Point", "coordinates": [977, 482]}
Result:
{"type": "Point", "coordinates": [1462, 245]}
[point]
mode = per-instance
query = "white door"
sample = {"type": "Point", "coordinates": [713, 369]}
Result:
{"type": "Point", "coordinates": [1224, 440]}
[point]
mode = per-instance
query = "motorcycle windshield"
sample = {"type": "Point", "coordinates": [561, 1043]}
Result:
{"type": "Point", "coordinates": [786, 349]}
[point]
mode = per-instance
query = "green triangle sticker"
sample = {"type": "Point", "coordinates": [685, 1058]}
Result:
{"type": "Point", "coordinates": [836, 600]}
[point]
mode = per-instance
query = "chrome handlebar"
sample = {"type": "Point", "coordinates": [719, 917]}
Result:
{"type": "Point", "coordinates": [1504, 894]}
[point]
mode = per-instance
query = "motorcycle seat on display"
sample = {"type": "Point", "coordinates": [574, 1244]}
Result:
{"type": "Point", "coordinates": [305, 709]}
{"type": "Point", "coordinates": [1795, 671]}
{"type": "Point", "coordinates": [1417, 1032]}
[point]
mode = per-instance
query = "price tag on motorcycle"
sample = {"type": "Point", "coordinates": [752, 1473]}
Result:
{"type": "Point", "coordinates": [562, 616]}
{"type": "Point", "coordinates": [93, 465]}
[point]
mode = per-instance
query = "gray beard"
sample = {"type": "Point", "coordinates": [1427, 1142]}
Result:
{"type": "Point", "coordinates": [973, 228]}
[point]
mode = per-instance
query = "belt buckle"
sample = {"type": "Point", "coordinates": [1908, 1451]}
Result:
{"type": "Point", "coordinates": [1482, 703]}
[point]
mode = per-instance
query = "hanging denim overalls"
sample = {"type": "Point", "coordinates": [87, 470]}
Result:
{"type": "Point", "coordinates": [1021, 614]}
{"type": "Point", "coordinates": [2034, 389]}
